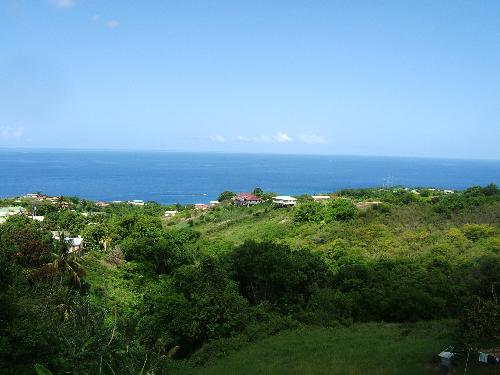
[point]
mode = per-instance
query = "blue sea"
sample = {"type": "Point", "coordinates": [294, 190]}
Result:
{"type": "Point", "coordinates": [175, 177]}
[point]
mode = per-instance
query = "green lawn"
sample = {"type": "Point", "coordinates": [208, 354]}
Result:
{"type": "Point", "coordinates": [360, 349]}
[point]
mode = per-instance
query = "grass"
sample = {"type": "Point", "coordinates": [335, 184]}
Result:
{"type": "Point", "coordinates": [368, 348]}
{"type": "Point", "coordinates": [371, 348]}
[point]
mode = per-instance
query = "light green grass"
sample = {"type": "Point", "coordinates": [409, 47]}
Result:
{"type": "Point", "coordinates": [360, 349]}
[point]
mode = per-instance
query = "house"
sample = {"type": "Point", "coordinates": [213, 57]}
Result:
{"type": "Point", "coordinates": [102, 204]}
{"type": "Point", "coordinates": [37, 196]}
{"type": "Point", "coordinates": [201, 206]}
{"type": "Point", "coordinates": [319, 198]}
{"type": "Point", "coordinates": [213, 203]}
{"type": "Point", "coordinates": [246, 199]}
{"type": "Point", "coordinates": [446, 358]}
{"type": "Point", "coordinates": [75, 244]}
{"type": "Point", "coordinates": [170, 213]}
{"type": "Point", "coordinates": [136, 202]}
{"type": "Point", "coordinates": [37, 218]}
{"type": "Point", "coordinates": [285, 200]}
{"type": "Point", "coordinates": [5, 212]}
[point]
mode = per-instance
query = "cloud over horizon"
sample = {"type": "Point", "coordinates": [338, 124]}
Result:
{"type": "Point", "coordinates": [282, 137]}
{"type": "Point", "coordinates": [279, 137]}
{"type": "Point", "coordinates": [217, 138]}
{"type": "Point", "coordinates": [8, 133]}
{"type": "Point", "coordinates": [312, 139]}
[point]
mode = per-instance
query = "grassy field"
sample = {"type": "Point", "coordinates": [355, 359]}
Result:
{"type": "Point", "coordinates": [372, 348]}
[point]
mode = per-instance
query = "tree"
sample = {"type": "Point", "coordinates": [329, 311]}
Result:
{"type": "Point", "coordinates": [309, 211]}
{"type": "Point", "coordinates": [272, 272]}
{"type": "Point", "coordinates": [198, 304]}
{"type": "Point", "coordinates": [65, 263]}
{"type": "Point", "coordinates": [226, 196]}
{"type": "Point", "coordinates": [258, 191]}
{"type": "Point", "coordinates": [340, 210]}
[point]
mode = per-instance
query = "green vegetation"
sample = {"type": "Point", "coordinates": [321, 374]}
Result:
{"type": "Point", "coordinates": [258, 289]}
{"type": "Point", "coordinates": [360, 349]}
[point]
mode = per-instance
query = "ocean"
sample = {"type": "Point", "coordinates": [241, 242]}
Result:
{"type": "Point", "coordinates": [178, 177]}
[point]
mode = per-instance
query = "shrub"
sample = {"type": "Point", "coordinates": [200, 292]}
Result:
{"type": "Point", "coordinates": [309, 211]}
{"type": "Point", "coordinates": [340, 210]}
{"type": "Point", "coordinates": [475, 232]}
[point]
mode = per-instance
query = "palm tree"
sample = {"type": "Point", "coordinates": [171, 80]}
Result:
{"type": "Point", "coordinates": [65, 262]}
{"type": "Point", "coordinates": [105, 241]}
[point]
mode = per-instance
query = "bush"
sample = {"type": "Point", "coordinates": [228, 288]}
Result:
{"type": "Point", "coordinates": [272, 272]}
{"type": "Point", "coordinates": [340, 210]}
{"type": "Point", "coordinates": [309, 211]}
{"type": "Point", "coordinates": [475, 232]}
{"type": "Point", "coordinates": [198, 305]}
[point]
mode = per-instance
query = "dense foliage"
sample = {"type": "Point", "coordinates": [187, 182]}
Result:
{"type": "Point", "coordinates": [149, 290]}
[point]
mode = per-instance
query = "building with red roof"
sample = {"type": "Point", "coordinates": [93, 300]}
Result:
{"type": "Point", "coordinates": [246, 199]}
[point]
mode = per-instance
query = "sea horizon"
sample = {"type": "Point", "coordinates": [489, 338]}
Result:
{"type": "Point", "coordinates": [170, 177]}
{"type": "Point", "coordinates": [184, 151]}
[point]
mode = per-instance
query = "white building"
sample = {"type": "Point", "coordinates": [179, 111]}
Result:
{"type": "Point", "coordinates": [75, 244]}
{"type": "Point", "coordinates": [5, 212]}
{"type": "Point", "coordinates": [170, 213]}
{"type": "Point", "coordinates": [137, 202]}
{"type": "Point", "coordinates": [285, 200]}
{"type": "Point", "coordinates": [319, 198]}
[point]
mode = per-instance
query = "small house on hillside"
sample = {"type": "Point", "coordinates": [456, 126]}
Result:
{"type": "Point", "coordinates": [75, 244]}
{"type": "Point", "coordinates": [246, 199]}
{"type": "Point", "coordinates": [11, 211]}
{"type": "Point", "coordinates": [319, 198]}
{"type": "Point", "coordinates": [136, 202]}
{"type": "Point", "coordinates": [36, 196]}
{"type": "Point", "coordinates": [201, 206]}
{"type": "Point", "coordinates": [171, 213]}
{"type": "Point", "coordinates": [285, 200]}
{"type": "Point", "coordinates": [5, 212]}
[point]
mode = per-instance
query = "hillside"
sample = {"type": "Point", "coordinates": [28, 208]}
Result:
{"type": "Point", "coordinates": [369, 281]}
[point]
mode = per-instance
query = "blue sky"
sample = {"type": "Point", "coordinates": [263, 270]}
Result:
{"type": "Point", "coordinates": [406, 78]}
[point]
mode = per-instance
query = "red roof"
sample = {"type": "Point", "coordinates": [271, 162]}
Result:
{"type": "Point", "coordinates": [247, 197]}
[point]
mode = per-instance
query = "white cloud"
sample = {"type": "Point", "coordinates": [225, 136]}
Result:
{"type": "Point", "coordinates": [312, 139]}
{"type": "Point", "coordinates": [63, 4]}
{"type": "Point", "coordinates": [263, 139]}
{"type": "Point", "coordinates": [113, 24]}
{"type": "Point", "coordinates": [282, 137]}
{"type": "Point", "coordinates": [96, 17]}
{"type": "Point", "coordinates": [217, 138]}
{"type": "Point", "coordinates": [6, 132]}
{"type": "Point", "coordinates": [279, 137]}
